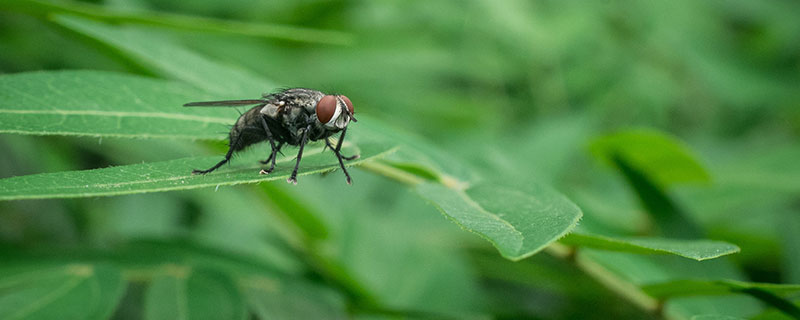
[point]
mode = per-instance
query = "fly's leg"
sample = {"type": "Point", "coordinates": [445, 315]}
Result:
{"type": "Point", "coordinates": [341, 163]}
{"type": "Point", "coordinates": [272, 154]}
{"type": "Point", "coordinates": [339, 147]}
{"type": "Point", "coordinates": [227, 158]}
{"type": "Point", "coordinates": [293, 178]}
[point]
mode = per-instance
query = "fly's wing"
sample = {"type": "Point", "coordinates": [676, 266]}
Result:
{"type": "Point", "coordinates": [224, 103]}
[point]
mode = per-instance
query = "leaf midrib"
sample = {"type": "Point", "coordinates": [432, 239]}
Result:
{"type": "Point", "coordinates": [118, 114]}
{"type": "Point", "coordinates": [48, 298]}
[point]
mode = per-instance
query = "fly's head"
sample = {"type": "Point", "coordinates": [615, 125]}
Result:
{"type": "Point", "coordinates": [335, 112]}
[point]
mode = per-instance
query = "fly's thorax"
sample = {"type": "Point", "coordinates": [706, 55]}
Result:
{"type": "Point", "coordinates": [271, 109]}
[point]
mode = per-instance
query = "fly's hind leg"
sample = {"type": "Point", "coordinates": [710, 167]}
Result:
{"type": "Point", "coordinates": [227, 158]}
{"type": "Point", "coordinates": [219, 164]}
{"type": "Point", "coordinates": [274, 153]}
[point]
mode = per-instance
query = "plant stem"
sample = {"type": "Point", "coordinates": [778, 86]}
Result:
{"type": "Point", "coordinates": [391, 172]}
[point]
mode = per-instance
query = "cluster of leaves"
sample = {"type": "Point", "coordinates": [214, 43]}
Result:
{"type": "Point", "coordinates": [326, 250]}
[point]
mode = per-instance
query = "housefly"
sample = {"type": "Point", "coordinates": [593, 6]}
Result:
{"type": "Point", "coordinates": [291, 116]}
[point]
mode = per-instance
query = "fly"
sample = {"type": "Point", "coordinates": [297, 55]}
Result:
{"type": "Point", "coordinates": [291, 116]}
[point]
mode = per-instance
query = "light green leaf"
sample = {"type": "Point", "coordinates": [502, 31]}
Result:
{"type": "Point", "coordinates": [693, 249]}
{"type": "Point", "coordinates": [516, 223]}
{"type": "Point", "coordinates": [279, 299]}
{"type": "Point", "coordinates": [176, 174]}
{"type": "Point", "coordinates": [158, 53]}
{"type": "Point", "coordinates": [183, 293]}
{"type": "Point", "coordinates": [74, 291]}
{"type": "Point", "coordinates": [106, 104]}
{"type": "Point", "coordinates": [661, 157]}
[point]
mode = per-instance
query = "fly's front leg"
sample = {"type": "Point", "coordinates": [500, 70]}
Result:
{"type": "Point", "coordinates": [272, 154]}
{"type": "Point", "coordinates": [339, 147]}
{"type": "Point", "coordinates": [293, 178]}
{"type": "Point", "coordinates": [341, 163]}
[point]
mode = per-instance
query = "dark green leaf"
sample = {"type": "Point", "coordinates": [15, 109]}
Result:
{"type": "Point", "coordinates": [185, 293]}
{"type": "Point", "coordinates": [276, 299]}
{"type": "Point", "coordinates": [301, 215]}
{"type": "Point", "coordinates": [72, 291]}
{"type": "Point", "coordinates": [182, 22]}
{"type": "Point", "coordinates": [160, 54]}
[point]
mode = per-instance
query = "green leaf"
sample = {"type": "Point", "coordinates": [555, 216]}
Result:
{"type": "Point", "coordinates": [768, 293]}
{"type": "Point", "coordinates": [669, 217]}
{"type": "Point", "coordinates": [181, 21]}
{"type": "Point", "coordinates": [156, 52]}
{"type": "Point", "coordinates": [714, 287]}
{"type": "Point", "coordinates": [715, 317]}
{"type": "Point", "coordinates": [295, 210]}
{"type": "Point", "coordinates": [106, 104]}
{"type": "Point", "coordinates": [176, 174]}
{"type": "Point", "coordinates": [661, 157]}
{"type": "Point", "coordinates": [184, 293]}
{"type": "Point", "coordinates": [74, 291]}
{"type": "Point", "coordinates": [281, 299]}
{"type": "Point", "coordinates": [516, 223]}
{"type": "Point", "coordinates": [693, 249]}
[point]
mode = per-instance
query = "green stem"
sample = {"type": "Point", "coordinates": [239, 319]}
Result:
{"type": "Point", "coordinates": [391, 172]}
{"type": "Point", "coordinates": [616, 284]}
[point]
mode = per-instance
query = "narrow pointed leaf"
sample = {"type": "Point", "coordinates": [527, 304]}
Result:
{"type": "Point", "coordinates": [106, 104]}
{"type": "Point", "coordinates": [714, 287]}
{"type": "Point", "coordinates": [185, 22]}
{"type": "Point", "coordinates": [693, 249]}
{"type": "Point", "coordinates": [174, 174]}
{"type": "Point", "coordinates": [159, 54]}
{"type": "Point", "coordinates": [516, 223]}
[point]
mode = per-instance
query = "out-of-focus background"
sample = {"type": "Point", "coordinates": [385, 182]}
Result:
{"type": "Point", "coordinates": [516, 89]}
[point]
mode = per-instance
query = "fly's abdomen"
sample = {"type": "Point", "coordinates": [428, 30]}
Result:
{"type": "Point", "coordinates": [247, 130]}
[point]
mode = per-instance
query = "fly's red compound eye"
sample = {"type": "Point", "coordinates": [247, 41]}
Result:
{"type": "Point", "coordinates": [349, 104]}
{"type": "Point", "coordinates": [326, 107]}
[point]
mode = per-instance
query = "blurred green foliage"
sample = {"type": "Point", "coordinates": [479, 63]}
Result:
{"type": "Point", "coordinates": [657, 119]}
